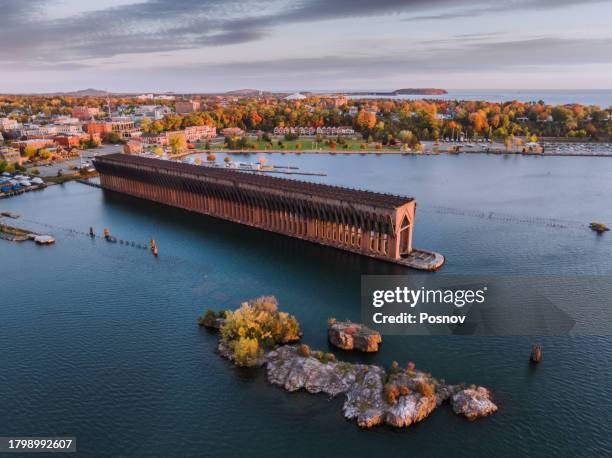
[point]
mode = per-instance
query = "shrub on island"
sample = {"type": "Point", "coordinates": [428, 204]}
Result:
{"type": "Point", "coordinates": [426, 389]}
{"type": "Point", "coordinates": [391, 393]}
{"type": "Point", "coordinates": [303, 350]}
{"type": "Point", "coordinates": [212, 319]}
{"type": "Point", "coordinates": [256, 327]}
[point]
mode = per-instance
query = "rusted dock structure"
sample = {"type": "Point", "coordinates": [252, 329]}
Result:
{"type": "Point", "coordinates": [372, 224]}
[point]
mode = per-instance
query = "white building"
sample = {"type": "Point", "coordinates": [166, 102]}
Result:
{"type": "Point", "coordinates": [7, 124]}
{"type": "Point", "coordinates": [66, 129]}
{"type": "Point", "coordinates": [155, 112]}
{"type": "Point", "coordinates": [32, 131]}
{"type": "Point", "coordinates": [65, 120]}
{"type": "Point", "coordinates": [295, 96]}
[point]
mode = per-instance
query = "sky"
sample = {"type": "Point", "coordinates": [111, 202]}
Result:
{"type": "Point", "coordinates": [283, 45]}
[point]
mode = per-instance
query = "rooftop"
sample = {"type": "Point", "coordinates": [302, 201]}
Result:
{"type": "Point", "coordinates": [262, 181]}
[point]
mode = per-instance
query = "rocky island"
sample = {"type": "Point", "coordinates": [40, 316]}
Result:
{"type": "Point", "coordinates": [352, 336]}
{"type": "Point", "coordinates": [404, 91]}
{"type": "Point", "coordinates": [257, 334]}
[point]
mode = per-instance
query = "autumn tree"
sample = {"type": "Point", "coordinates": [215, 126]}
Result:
{"type": "Point", "coordinates": [29, 151]}
{"type": "Point", "coordinates": [145, 125]}
{"type": "Point", "coordinates": [177, 143]}
{"type": "Point", "coordinates": [365, 120]}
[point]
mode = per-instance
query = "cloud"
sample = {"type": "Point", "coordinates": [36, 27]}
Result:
{"type": "Point", "coordinates": [536, 54]}
{"type": "Point", "coordinates": [170, 25]}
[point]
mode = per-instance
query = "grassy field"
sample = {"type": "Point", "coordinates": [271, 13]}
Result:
{"type": "Point", "coordinates": [288, 145]}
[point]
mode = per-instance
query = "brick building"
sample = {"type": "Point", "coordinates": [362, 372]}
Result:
{"type": "Point", "coordinates": [186, 106]}
{"type": "Point", "coordinates": [198, 133]}
{"type": "Point", "coordinates": [85, 113]}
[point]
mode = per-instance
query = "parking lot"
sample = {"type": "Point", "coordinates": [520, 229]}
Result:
{"type": "Point", "coordinates": [86, 156]}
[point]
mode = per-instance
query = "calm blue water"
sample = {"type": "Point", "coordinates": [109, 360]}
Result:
{"type": "Point", "coordinates": [601, 97]}
{"type": "Point", "coordinates": [99, 341]}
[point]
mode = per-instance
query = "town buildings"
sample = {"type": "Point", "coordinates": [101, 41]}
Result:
{"type": "Point", "coordinates": [98, 128]}
{"type": "Point", "coordinates": [133, 147]}
{"type": "Point", "coordinates": [340, 101]}
{"type": "Point", "coordinates": [10, 155]}
{"type": "Point", "coordinates": [232, 132]}
{"type": "Point", "coordinates": [199, 133]}
{"type": "Point", "coordinates": [85, 113]}
{"type": "Point", "coordinates": [152, 139]}
{"type": "Point", "coordinates": [186, 106]}
{"type": "Point", "coordinates": [155, 96]}
{"type": "Point", "coordinates": [71, 141]}
{"type": "Point", "coordinates": [154, 112]}
{"type": "Point", "coordinates": [124, 126]}
{"type": "Point", "coordinates": [36, 144]}
{"type": "Point", "coordinates": [295, 96]}
{"type": "Point", "coordinates": [7, 124]}
{"type": "Point", "coordinates": [342, 130]}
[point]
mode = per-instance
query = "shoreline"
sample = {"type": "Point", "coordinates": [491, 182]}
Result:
{"type": "Point", "coordinates": [390, 152]}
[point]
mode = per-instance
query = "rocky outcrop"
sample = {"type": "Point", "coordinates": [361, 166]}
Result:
{"type": "Point", "coordinates": [293, 372]}
{"type": "Point", "coordinates": [473, 403]}
{"type": "Point", "coordinates": [364, 399]}
{"type": "Point", "coordinates": [353, 336]}
{"type": "Point", "coordinates": [399, 397]}
{"type": "Point", "coordinates": [536, 353]}
{"type": "Point", "coordinates": [410, 409]}
{"type": "Point", "coordinates": [364, 387]}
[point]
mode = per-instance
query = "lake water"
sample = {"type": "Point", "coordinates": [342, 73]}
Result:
{"type": "Point", "coordinates": [601, 97]}
{"type": "Point", "coordinates": [100, 341]}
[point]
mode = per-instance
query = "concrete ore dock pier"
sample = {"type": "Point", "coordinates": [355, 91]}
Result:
{"type": "Point", "coordinates": [368, 223]}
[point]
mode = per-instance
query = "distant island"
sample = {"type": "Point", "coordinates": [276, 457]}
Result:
{"type": "Point", "coordinates": [406, 91]}
{"type": "Point", "coordinates": [89, 92]}
{"type": "Point", "coordinates": [421, 91]}
{"type": "Point", "coordinates": [247, 92]}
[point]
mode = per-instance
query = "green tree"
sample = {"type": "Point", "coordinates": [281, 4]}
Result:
{"type": "Point", "coordinates": [114, 138]}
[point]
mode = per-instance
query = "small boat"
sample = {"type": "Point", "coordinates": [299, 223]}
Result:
{"type": "Point", "coordinates": [108, 237]}
{"type": "Point", "coordinates": [44, 239]}
{"type": "Point", "coordinates": [153, 247]}
{"type": "Point", "coordinates": [599, 227]}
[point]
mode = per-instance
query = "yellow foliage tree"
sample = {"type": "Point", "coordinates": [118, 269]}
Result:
{"type": "Point", "coordinates": [256, 326]}
{"type": "Point", "coordinates": [246, 351]}
{"type": "Point", "coordinates": [177, 143]}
